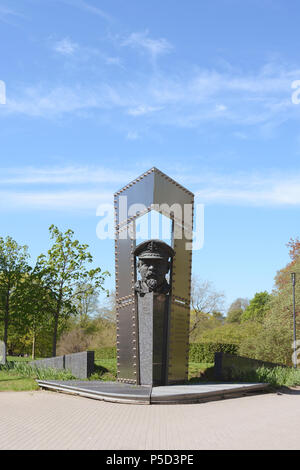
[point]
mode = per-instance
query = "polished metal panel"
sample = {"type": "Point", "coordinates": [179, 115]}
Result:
{"type": "Point", "coordinates": [151, 190]}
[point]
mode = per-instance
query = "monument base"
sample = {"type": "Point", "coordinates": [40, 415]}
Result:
{"type": "Point", "coordinates": [147, 395]}
{"type": "Point", "coordinates": [153, 312]}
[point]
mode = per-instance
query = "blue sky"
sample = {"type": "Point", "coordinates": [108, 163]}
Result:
{"type": "Point", "coordinates": [97, 92]}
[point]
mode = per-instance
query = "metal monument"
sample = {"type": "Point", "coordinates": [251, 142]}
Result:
{"type": "Point", "coordinates": [153, 312]}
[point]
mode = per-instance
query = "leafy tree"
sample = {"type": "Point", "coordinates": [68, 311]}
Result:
{"type": "Point", "coordinates": [274, 342]}
{"type": "Point", "coordinates": [258, 307]}
{"type": "Point", "coordinates": [236, 333]}
{"type": "Point", "coordinates": [13, 268]}
{"type": "Point", "coordinates": [236, 310]}
{"type": "Point", "coordinates": [86, 303]}
{"type": "Point", "coordinates": [65, 275]}
{"type": "Point", "coordinates": [205, 301]}
{"type": "Point", "coordinates": [33, 302]}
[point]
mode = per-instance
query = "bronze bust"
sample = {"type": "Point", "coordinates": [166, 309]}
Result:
{"type": "Point", "coordinates": [153, 265]}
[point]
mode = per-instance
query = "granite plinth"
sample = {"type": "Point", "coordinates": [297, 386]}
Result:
{"type": "Point", "coordinates": [153, 321]}
{"type": "Point", "coordinates": [147, 395]}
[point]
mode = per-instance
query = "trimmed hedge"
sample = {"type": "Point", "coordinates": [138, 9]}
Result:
{"type": "Point", "coordinates": [205, 352]}
{"type": "Point", "coordinates": [106, 353]}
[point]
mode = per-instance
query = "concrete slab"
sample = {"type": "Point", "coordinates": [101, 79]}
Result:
{"type": "Point", "coordinates": [172, 394]}
{"type": "Point", "coordinates": [195, 393]}
{"type": "Point", "coordinates": [107, 391]}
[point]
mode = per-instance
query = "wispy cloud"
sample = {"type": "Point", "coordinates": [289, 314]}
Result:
{"type": "Point", "coordinates": [62, 175]}
{"type": "Point", "coordinates": [65, 47]}
{"type": "Point", "coordinates": [154, 47]}
{"type": "Point", "coordinates": [187, 99]}
{"type": "Point", "coordinates": [250, 189]}
{"type": "Point", "coordinates": [59, 200]}
{"type": "Point", "coordinates": [132, 135]}
{"type": "Point", "coordinates": [89, 8]}
{"type": "Point", "coordinates": [66, 188]}
{"type": "Point", "coordinates": [142, 109]}
{"type": "Point", "coordinates": [7, 14]}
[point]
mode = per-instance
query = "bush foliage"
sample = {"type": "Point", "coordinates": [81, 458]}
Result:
{"type": "Point", "coordinates": [205, 352]}
{"type": "Point", "coordinates": [106, 353]}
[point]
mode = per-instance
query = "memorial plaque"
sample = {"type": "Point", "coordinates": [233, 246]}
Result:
{"type": "Point", "coordinates": [167, 323]}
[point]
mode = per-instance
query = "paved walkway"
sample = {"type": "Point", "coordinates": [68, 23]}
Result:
{"type": "Point", "coordinates": [50, 420]}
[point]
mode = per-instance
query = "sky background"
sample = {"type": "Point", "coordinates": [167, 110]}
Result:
{"type": "Point", "coordinates": [97, 92]}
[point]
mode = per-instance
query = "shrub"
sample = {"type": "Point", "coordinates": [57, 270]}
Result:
{"type": "Point", "coordinates": [205, 352]}
{"type": "Point", "coordinates": [73, 341]}
{"type": "Point", "coordinates": [25, 370]}
{"type": "Point", "coordinates": [106, 353]}
{"type": "Point", "coordinates": [276, 376]}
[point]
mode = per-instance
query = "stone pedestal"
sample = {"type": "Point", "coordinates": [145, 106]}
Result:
{"type": "Point", "coordinates": [153, 314]}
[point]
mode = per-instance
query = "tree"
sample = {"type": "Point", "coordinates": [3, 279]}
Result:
{"type": "Point", "coordinates": [33, 302]}
{"type": "Point", "coordinates": [86, 302]}
{"type": "Point", "coordinates": [205, 300]}
{"type": "Point", "coordinates": [13, 268]}
{"type": "Point", "coordinates": [275, 339]}
{"type": "Point", "coordinates": [236, 310]}
{"type": "Point", "coordinates": [258, 307]}
{"type": "Point", "coordinates": [65, 275]}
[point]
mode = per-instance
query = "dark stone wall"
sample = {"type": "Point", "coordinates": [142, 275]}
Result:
{"type": "Point", "coordinates": [81, 365]}
{"type": "Point", "coordinates": [57, 362]}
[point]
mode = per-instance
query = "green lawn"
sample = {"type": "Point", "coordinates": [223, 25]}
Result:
{"type": "Point", "coordinates": [14, 381]}
{"type": "Point", "coordinates": [19, 377]}
{"type": "Point", "coordinates": [200, 371]}
{"type": "Point", "coordinates": [106, 369]}
{"type": "Point", "coordinates": [18, 359]}
{"type": "Point", "coordinates": [17, 383]}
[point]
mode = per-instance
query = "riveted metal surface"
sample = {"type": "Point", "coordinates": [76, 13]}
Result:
{"type": "Point", "coordinates": [137, 192]}
{"type": "Point", "coordinates": [152, 189]}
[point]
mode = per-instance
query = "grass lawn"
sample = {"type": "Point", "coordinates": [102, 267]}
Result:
{"type": "Point", "coordinates": [18, 359]}
{"type": "Point", "coordinates": [106, 369]}
{"type": "Point", "coordinates": [200, 371]}
{"type": "Point", "coordinates": [20, 379]}
{"type": "Point", "coordinates": [16, 383]}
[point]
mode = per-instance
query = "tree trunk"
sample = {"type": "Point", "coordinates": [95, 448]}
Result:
{"type": "Point", "coordinates": [55, 334]}
{"type": "Point", "coordinates": [6, 319]}
{"type": "Point", "coordinates": [33, 346]}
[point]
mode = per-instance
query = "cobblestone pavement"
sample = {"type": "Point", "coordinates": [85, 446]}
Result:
{"type": "Point", "coordinates": [50, 420]}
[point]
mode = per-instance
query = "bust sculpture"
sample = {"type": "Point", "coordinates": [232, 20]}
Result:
{"type": "Point", "coordinates": [153, 266]}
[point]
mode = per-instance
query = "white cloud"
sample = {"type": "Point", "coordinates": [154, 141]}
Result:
{"type": "Point", "coordinates": [113, 61]}
{"type": "Point", "coordinates": [248, 189]}
{"type": "Point", "coordinates": [88, 8]}
{"type": "Point", "coordinates": [132, 135]}
{"type": "Point", "coordinates": [60, 200]}
{"type": "Point", "coordinates": [154, 47]}
{"type": "Point", "coordinates": [184, 100]}
{"type": "Point", "coordinates": [79, 187]}
{"type": "Point", "coordinates": [7, 13]}
{"type": "Point", "coordinates": [65, 47]}
{"type": "Point", "coordinates": [62, 175]}
{"type": "Point", "coordinates": [142, 109]}
{"type": "Point", "coordinates": [221, 107]}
